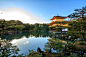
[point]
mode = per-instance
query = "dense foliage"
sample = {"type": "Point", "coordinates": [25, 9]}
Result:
{"type": "Point", "coordinates": [78, 27]}
{"type": "Point", "coordinates": [6, 49]}
{"type": "Point", "coordinates": [16, 25]}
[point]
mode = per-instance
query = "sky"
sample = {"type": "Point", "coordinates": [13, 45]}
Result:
{"type": "Point", "coordinates": [38, 11]}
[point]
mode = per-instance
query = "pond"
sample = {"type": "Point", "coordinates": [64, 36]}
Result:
{"type": "Point", "coordinates": [30, 43]}
{"type": "Point", "coordinates": [28, 40]}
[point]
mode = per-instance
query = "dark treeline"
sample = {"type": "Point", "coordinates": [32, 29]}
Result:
{"type": "Point", "coordinates": [14, 26]}
{"type": "Point", "coordinates": [26, 34]}
{"type": "Point", "coordinates": [36, 27]}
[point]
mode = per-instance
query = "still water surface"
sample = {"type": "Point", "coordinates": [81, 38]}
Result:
{"type": "Point", "coordinates": [30, 43]}
{"type": "Point", "coordinates": [28, 40]}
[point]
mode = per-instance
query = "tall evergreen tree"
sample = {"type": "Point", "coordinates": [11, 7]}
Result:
{"type": "Point", "coordinates": [78, 26]}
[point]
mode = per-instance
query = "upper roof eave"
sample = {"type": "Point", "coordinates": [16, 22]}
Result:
{"type": "Point", "coordinates": [58, 17]}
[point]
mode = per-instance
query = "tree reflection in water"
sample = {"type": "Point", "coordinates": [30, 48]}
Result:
{"type": "Point", "coordinates": [27, 34]}
{"type": "Point", "coordinates": [9, 49]}
{"type": "Point", "coordinates": [6, 49]}
{"type": "Point", "coordinates": [54, 43]}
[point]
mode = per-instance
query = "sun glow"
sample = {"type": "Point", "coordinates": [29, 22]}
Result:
{"type": "Point", "coordinates": [19, 14]}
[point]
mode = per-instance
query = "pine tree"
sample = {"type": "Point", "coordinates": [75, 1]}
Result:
{"type": "Point", "coordinates": [78, 27]}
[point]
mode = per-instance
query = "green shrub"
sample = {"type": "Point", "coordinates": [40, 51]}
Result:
{"type": "Point", "coordinates": [81, 43]}
{"type": "Point", "coordinates": [70, 45]}
{"type": "Point", "coordinates": [34, 54]}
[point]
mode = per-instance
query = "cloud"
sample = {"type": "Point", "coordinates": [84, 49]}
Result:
{"type": "Point", "coordinates": [24, 43]}
{"type": "Point", "coordinates": [40, 14]}
{"type": "Point", "coordinates": [19, 14]}
{"type": "Point", "coordinates": [15, 43]}
{"type": "Point", "coordinates": [27, 42]}
{"type": "Point", "coordinates": [52, 15]}
{"type": "Point", "coordinates": [1, 12]}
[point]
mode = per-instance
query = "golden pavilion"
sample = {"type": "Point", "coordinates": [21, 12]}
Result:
{"type": "Point", "coordinates": [56, 19]}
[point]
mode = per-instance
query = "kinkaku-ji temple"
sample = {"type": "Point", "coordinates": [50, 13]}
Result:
{"type": "Point", "coordinates": [55, 26]}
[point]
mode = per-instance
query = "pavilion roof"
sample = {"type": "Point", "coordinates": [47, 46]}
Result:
{"type": "Point", "coordinates": [54, 22]}
{"type": "Point", "coordinates": [58, 17]}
